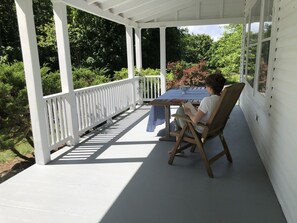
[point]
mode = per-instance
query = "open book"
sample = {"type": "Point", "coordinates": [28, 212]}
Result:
{"type": "Point", "coordinates": [191, 107]}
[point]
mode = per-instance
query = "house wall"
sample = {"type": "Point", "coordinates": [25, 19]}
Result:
{"type": "Point", "coordinates": [272, 119]}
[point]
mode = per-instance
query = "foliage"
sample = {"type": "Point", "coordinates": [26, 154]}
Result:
{"type": "Point", "coordinates": [196, 47]}
{"type": "Point", "coordinates": [177, 68]}
{"type": "Point", "coordinates": [151, 46]}
{"type": "Point", "coordinates": [225, 53]}
{"type": "Point", "coordinates": [94, 42]}
{"type": "Point", "coordinates": [83, 77]}
{"type": "Point", "coordinates": [14, 113]}
{"type": "Point", "coordinates": [9, 36]}
{"type": "Point", "coordinates": [51, 83]}
{"type": "Point", "coordinates": [183, 74]}
{"type": "Point", "coordinates": [123, 73]}
{"type": "Point", "coordinates": [233, 78]}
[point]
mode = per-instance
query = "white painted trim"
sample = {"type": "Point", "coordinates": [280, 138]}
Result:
{"type": "Point", "coordinates": [169, 8]}
{"type": "Point", "coordinates": [259, 48]}
{"type": "Point", "coordinates": [81, 5]}
{"type": "Point", "coordinates": [138, 48]}
{"type": "Point", "coordinates": [163, 58]}
{"type": "Point", "coordinates": [130, 60]}
{"type": "Point", "coordinates": [130, 6]}
{"type": "Point", "coordinates": [130, 51]}
{"type": "Point", "coordinates": [270, 72]}
{"type": "Point", "coordinates": [26, 23]}
{"type": "Point", "coordinates": [60, 17]}
{"type": "Point", "coordinates": [237, 20]}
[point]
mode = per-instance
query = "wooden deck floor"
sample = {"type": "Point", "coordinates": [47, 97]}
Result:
{"type": "Point", "coordinates": [120, 174]}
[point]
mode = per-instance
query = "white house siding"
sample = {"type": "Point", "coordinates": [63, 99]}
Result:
{"type": "Point", "coordinates": [273, 119]}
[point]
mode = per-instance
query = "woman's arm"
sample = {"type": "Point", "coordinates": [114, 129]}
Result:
{"type": "Point", "coordinates": [194, 117]}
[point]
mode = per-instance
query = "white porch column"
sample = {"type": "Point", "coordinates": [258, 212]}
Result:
{"type": "Point", "coordinates": [26, 23]}
{"type": "Point", "coordinates": [163, 58]}
{"type": "Point", "coordinates": [60, 17]}
{"type": "Point", "coordinates": [130, 51]}
{"type": "Point", "coordinates": [130, 60]}
{"type": "Point", "coordinates": [138, 48]}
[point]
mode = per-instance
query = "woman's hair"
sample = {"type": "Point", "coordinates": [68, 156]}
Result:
{"type": "Point", "coordinates": [216, 82]}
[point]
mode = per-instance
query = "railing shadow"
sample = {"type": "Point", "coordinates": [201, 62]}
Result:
{"type": "Point", "coordinates": [98, 141]}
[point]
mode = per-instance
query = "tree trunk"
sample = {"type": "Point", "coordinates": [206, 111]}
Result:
{"type": "Point", "coordinates": [14, 150]}
{"type": "Point", "coordinates": [29, 140]}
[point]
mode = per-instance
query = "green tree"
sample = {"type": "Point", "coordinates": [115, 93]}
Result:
{"type": "Point", "coordinates": [9, 35]}
{"type": "Point", "coordinates": [195, 47]}
{"type": "Point", "coordinates": [151, 46]}
{"type": "Point", "coordinates": [14, 113]}
{"type": "Point", "coordinates": [225, 53]}
{"type": "Point", "coordinates": [94, 42]}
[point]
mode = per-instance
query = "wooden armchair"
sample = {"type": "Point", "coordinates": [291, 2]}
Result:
{"type": "Point", "coordinates": [214, 127]}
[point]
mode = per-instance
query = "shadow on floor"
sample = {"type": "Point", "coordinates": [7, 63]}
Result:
{"type": "Point", "coordinates": [240, 192]}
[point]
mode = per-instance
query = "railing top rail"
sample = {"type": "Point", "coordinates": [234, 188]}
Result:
{"type": "Point", "coordinates": [151, 76]}
{"type": "Point", "coordinates": [55, 95]}
{"type": "Point", "coordinates": [106, 84]}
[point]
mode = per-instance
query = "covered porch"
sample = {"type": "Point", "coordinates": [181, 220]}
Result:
{"type": "Point", "coordinates": [108, 183]}
{"type": "Point", "coordinates": [119, 173]}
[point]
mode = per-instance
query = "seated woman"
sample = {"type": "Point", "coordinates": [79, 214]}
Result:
{"type": "Point", "coordinates": [214, 85]}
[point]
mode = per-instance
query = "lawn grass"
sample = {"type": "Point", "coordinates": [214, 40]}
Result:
{"type": "Point", "coordinates": [7, 155]}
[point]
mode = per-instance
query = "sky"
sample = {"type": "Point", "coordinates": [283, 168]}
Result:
{"type": "Point", "coordinates": [215, 31]}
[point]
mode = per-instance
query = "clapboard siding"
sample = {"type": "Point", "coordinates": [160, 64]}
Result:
{"type": "Point", "coordinates": [273, 120]}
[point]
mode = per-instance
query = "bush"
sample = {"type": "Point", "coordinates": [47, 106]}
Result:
{"type": "Point", "coordinates": [182, 73]}
{"type": "Point", "coordinates": [14, 112]}
{"type": "Point", "coordinates": [233, 78]}
{"type": "Point", "coordinates": [84, 77]}
{"type": "Point", "coordinates": [123, 73]}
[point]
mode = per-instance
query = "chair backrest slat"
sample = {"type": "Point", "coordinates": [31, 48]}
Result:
{"type": "Point", "coordinates": [220, 115]}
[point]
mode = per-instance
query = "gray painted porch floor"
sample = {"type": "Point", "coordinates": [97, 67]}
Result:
{"type": "Point", "coordinates": [120, 175]}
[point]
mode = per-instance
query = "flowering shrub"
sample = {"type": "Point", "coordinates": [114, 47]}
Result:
{"type": "Point", "coordinates": [183, 74]}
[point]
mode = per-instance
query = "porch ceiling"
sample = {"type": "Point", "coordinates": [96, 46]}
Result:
{"type": "Point", "coordinates": [163, 13]}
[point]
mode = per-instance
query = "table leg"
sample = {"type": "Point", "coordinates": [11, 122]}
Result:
{"type": "Point", "coordinates": [167, 120]}
{"type": "Point", "coordinates": [167, 125]}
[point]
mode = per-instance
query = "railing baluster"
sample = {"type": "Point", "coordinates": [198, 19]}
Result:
{"type": "Point", "coordinates": [50, 121]}
{"type": "Point", "coordinates": [60, 118]}
{"type": "Point", "coordinates": [66, 131]}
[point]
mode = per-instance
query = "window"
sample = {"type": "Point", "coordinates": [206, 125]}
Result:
{"type": "Point", "coordinates": [265, 46]}
{"type": "Point", "coordinates": [255, 55]}
{"type": "Point", "coordinates": [252, 44]}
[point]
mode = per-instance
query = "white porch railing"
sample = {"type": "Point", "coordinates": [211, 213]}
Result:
{"type": "Point", "coordinates": [102, 102]}
{"type": "Point", "coordinates": [58, 133]}
{"type": "Point", "coordinates": [150, 87]}
{"type": "Point", "coordinates": [95, 105]}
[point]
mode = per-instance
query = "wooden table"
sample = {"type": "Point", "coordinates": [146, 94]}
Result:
{"type": "Point", "coordinates": [169, 98]}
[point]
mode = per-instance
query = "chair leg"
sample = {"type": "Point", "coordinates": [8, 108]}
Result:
{"type": "Point", "coordinates": [203, 155]}
{"type": "Point", "coordinates": [176, 146]}
{"type": "Point", "coordinates": [226, 149]}
{"type": "Point", "coordinates": [193, 148]}
{"type": "Point", "coordinates": [205, 160]}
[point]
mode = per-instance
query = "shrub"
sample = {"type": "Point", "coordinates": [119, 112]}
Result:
{"type": "Point", "coordinates": [84, 77]}
{"type": "Point", "coordinates": [123, 73]}
{"type": "Point", "coordinates": [186, 74]}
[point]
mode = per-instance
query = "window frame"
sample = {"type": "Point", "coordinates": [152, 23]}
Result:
{"type": "Point", "coordinates": [258, 44]}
